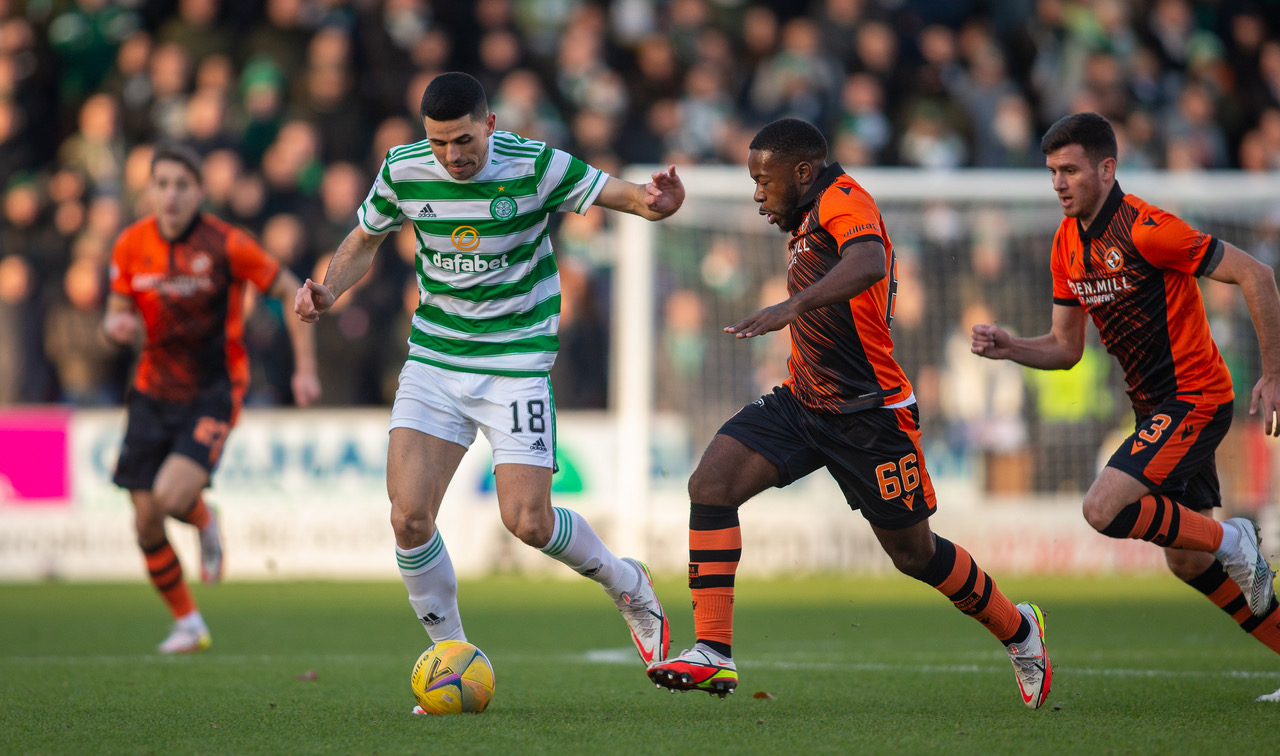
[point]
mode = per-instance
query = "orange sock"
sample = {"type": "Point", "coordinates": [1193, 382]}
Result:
{"type": "Point", "coordinates": [1165, 522]}
{"type": "Point", "coordinates": [954, 573]}
{"type": "Point", "coordinates": [1219, 588]}
{"type": "Point", "coordinates": [715, 546]}
{"type": "Point", "coordinates": [198, 515]}
{"type": "Point", "coordinates": [166, 576]}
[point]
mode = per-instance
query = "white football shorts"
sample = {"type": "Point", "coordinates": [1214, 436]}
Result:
{"type": "Point", "coordinates": [517, 414]}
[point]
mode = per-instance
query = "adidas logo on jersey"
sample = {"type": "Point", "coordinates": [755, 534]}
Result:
{"type": "Point", "coordinates": [538, 446]}
{"type": "Point", "coordinates": [431, 619]}
{"type": "Point", "coordinates": [426, 212]}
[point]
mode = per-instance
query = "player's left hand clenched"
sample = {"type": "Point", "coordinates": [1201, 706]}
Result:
{"type": "Point", "coordinates": [312, 299]}
{"type": "Point", "coordinates": [772, 318]}
{"type": "Point", "coordinates": [1266, 399]}
{"type": "Point", "coordinates": [665, 193]}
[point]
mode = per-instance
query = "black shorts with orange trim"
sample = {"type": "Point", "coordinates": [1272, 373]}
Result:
{"type": "Point", "coordinates": [1172, 451]}
{"type": "Point", "coordinates": [157, 428]}
{"type": "Point", "coordinates": [874, 455]}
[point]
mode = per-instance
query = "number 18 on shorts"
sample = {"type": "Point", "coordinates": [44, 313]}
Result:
{"type": "Point", "coordinates": [516, 413]}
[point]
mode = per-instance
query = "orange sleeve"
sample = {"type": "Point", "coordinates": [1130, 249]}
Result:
{"type": "Point", "coordinates": [1167, 241]}
{"type": "Point", "coordinates": [121, 273]}
{"type": "Point", "coordinates": [1062, 293]}
{"type": "Point", "coordinates": [249, 262]}
{"type": "Point", "coordinates": [851, 218]}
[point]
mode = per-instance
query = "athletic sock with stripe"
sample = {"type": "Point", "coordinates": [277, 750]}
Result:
{"type": "Point", "coordinates": [575, 544]}
{"type": "Point", "coordinates": [433, 588]}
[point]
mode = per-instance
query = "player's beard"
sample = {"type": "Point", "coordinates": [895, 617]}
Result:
{"type": "Point", "coordinates": [790, 215]}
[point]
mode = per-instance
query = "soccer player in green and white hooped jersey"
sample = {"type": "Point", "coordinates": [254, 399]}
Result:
{"type": "Point", "coordinates": [484, 339]}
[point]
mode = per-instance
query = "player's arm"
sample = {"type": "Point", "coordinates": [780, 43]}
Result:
{"type": "Point", "coordinates": [652, 201]}
{"type": "Point", "coordinates": [305, 382]}
{"type": "Point", "coordinates": [1257, 282]}
{"type": "Point", "coordinates": [121, 325]}
{"type": "Point", "coordinates": [861, 266]}
{"type": "Point", "coordinates": [349, 264]}
{"type": "Point", "coordinates": [1059, 349]}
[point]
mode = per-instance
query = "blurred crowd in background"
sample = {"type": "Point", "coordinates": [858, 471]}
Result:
{"type": "Point", "coordinates": [294, 103]}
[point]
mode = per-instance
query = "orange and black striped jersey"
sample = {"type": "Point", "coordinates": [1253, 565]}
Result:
{"type": "Point", "coordinates": [190, 293]}
{"type": "Point", "coordinates": [842, 354]}
{"type": "Point", "coordinates": [1134, 271]}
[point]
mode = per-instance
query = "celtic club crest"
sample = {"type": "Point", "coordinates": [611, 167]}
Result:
{"type": "Point", "coordinates": [502, 208]}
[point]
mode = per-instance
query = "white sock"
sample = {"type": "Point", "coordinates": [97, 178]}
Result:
{"type": "Point", "coordinates": [1230, 540]}
{"type": "Point", "coordinates": [192, 621]}
{"type": "Point", "coordinates": [433, 588]}
{"type": "Point", "coordinates": [577, 545]}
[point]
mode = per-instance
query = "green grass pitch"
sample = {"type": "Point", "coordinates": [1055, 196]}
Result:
{"type": "Point", "coordinates": [1143, 665]}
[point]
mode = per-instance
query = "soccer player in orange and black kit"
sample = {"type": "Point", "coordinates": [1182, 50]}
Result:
{"type": "Point", "coordinates": [177, 279]}
{"type": "Point", "coordinates": [846, 406]}
{"type": "Point", "coordinates": [1132, 267]}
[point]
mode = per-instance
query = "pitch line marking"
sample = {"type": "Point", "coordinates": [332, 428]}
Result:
{"type": "Point", "coordinates": [624, 656]}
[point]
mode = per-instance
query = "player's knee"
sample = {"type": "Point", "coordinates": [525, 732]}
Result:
{"type": "Point", "coordinates": [149, 528]}
{"type": "Point", "coordinates": [1098, 512]}
{"type": "Point", "coordinates": [532, 533]}
{"type": "Point", "coordinates": [908, 560]}
{"type": "Point", "coordinates": [711, 489]}
{"type": "Point", "coordinates": [411, 526]}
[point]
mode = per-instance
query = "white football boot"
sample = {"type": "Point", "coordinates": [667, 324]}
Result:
{"type": "Point", "coordinates": [1248, 567]}
{"type": "Point", "coordinates": [650, 629]}
{"type": "Point", "coordinates": [186, 639]}
{"type": "Point", "coordinates": [698, 668]}
{"type": "Point", "coordinates": [1030, 659]}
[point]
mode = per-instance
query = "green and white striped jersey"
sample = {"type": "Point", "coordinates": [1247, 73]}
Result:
{"type": "Point", "coordinates": [489, 289]}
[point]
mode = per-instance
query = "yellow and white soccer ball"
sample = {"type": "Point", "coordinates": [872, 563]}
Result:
{"type": "Point", "coordinates": [452, 677]}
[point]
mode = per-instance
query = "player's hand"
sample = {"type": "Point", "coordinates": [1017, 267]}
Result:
{"type": "Point", "coordinates": [312, 300]}
{"type": "Point", "coordinates": [306, 388]}
{"type": "Point", "coordinates": [665, 193]}
{"type": "Point", "coordinates": [122, 328]}
{"type": "Point", "coordinates": [772, 318]}
{"type": "Point", "coordinates": [1266, 399]}
{"type": "Point", "coordinates": [991, 341]}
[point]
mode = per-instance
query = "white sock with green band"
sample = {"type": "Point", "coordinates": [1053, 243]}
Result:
{"type": "Point", "coordinates": [577, 545]}
{"type": "Point", "coordinates": [433, 588]}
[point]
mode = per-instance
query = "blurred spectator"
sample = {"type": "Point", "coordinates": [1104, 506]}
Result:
{"type": "Point", "coordinates": [130, 84]}
{"type": "Point", "coordinates": [83, 360]}
{"type": "Point", "coordinates": [981, 402]}
{"type": "Point", "coordinates": [17, 308]}
{"type": "Point", "coordinates": [29, 115]}
{"type": "Point", "coordinates": [864, 130]}
{"type": "Point", "coordinates": [170, 71]}
{"type": "Point", "coordinates": [522, 107]}
{"type": "Point", "coordinates": [330, 104]}
{"type": "Point", "coordinates": [85, 37]}
{"type": "Point", "coordinates": [580, 374]}
{"type": "Point", "coordinates": [195, 28]}
{"type": "Point", "coordinates": [262, 98]}
{"type": "Point", "coordinates": [282, 38]}
{"type": "Point", "coordinates": [1192, 127]}
{"type": "Point", "coordinates": [96, 150]}
{"type": "Point", "coordinates": [800, 80]}
{"type": "Point", "coordinates": [342, 189]}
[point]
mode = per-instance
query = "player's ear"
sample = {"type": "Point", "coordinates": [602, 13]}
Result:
{"type": "Point", "coordinates": [1107, 168]}
{"type": "Point", "coordinates": [803, 171]}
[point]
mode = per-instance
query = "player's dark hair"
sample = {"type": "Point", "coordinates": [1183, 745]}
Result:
{"type": "Point", "coordinates": [177, 153]}
{"type": "Point", "coordinates": [791, 139]}
{"type": "Point", "coordinates": [1089, 130]}
{"type": "Point", "coordinates": [454, 95]}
